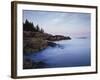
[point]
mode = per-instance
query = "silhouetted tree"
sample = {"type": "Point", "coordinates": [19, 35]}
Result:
{"type": "Point", "coordinates": [37, 28]}
{"type": "Point", "coordinates": [42, 31]}
{"type": "Point", "coordinates": [29, 26]}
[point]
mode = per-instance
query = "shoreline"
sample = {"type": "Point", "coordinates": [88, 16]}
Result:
{"type": "Point", "coordinates": [37, 41]}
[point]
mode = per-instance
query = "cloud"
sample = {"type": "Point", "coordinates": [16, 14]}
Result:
{"type": "Point", "coordinates": [60, 22]}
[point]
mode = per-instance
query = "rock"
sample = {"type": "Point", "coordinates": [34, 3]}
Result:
{"type": "Point", "coordinates": [28, 34]}
{"type": "Point", "coordinates": [37, 41]}
{"type": "Point", "coordinates": [35, 45]}
{"type": "Point", "coordinates": [58, 38]}
{"type": "Point", "coordinates": [51, 44]}
{"type": "Point", "coordinates": [27, 63]}
{"type": "Point", "coordinates": [30, 64]}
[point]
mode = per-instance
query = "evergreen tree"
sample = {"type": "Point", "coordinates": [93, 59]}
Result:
{"type": "Point", "coordinates": [42, 31]}
{"type": "Point", "coordinates": [26, 22]}
{"type": "Point", "coordinates": [37, 28]}
{"type": "Point", "coordinates": [29, 26]}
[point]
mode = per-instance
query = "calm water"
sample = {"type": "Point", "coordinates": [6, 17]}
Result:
{"type": "Point", "coordinates": [68, 53]}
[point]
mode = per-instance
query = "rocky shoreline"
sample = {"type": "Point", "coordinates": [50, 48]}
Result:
{"type": "Point", "coordinates": [30, 64]}
{"type": "Point", "coordinates": [36, 41]}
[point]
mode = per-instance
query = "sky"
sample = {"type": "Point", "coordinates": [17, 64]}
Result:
{"type": "Point", "coordinates": [60, 23]}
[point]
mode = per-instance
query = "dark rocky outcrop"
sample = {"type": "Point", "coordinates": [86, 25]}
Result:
{"type": "Point", "coordinates": [30, 64]}
{"type": "Point", "coordinates": [27, 63]}
{"type": "Point", "coordinates": [52, 44]}
{"type": "Point", "coordinates": [34, 45]}
{"type": "Point", "coordinates": [28, 34]}
{"type": "Point", "coordinates": [36, 41]}
{"type": "Point", "coordinates": [58, 38]}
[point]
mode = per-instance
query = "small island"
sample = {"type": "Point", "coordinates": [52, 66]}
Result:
{"type": "Point", "coordinates": [35, 39]}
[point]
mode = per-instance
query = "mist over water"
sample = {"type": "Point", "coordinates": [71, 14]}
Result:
{"type": "Point", "coordinates": [68, 53]}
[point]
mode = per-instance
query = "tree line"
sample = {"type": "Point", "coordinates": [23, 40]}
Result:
{"type": "Point", "coordinates": [29, 26]}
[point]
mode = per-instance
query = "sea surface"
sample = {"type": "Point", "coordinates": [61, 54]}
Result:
{"type": "Point", "coordinates": [68, 53]}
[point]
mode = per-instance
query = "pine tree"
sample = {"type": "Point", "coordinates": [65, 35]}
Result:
{"type": "Point", "coordinates": [42, 31]}
{"type": "Point", "coordinates": [28, 26]}
{"type": "Point", "coordinates": [37, 28]}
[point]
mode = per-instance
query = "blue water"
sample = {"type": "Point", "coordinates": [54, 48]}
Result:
{"type": "Point", "coordinates": [68, 53]}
